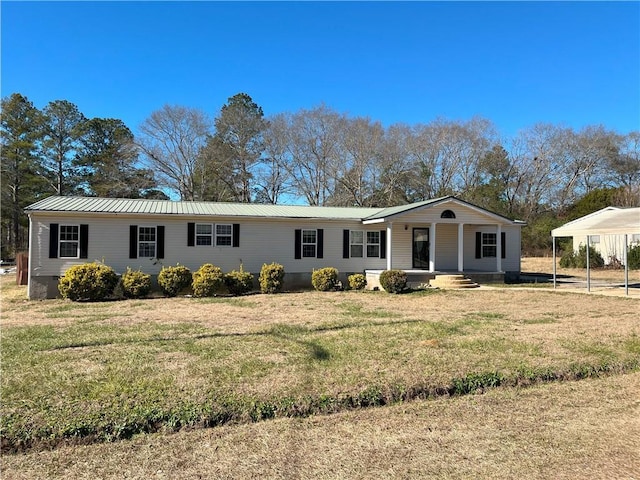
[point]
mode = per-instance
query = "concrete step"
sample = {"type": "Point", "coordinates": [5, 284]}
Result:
{"type": "Point", "coordinates": [452, 281]}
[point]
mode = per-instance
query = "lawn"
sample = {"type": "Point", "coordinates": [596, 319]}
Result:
{"type": "Point", "coordinates": [75, 373]}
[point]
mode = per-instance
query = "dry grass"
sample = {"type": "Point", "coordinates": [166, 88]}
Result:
{"type": "Point", "coordinates": [545, 265]}
{"type": "Point", "coordinates": [588, 429]}
{"type": "Point", "coordinates": [265, 345]}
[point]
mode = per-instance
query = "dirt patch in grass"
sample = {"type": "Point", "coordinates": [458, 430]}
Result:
{"type": "Point", "coordinates": [586, 429]}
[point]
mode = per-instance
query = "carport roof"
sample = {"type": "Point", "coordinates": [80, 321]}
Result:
{"type": "Point", "coordinates": [608, 221]}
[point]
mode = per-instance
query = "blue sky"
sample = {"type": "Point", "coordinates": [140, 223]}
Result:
{"type": "Point", "coordinates": [516, 64]}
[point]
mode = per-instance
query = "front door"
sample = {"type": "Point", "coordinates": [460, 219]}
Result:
{"type": "Point", "coordinates": [421, 248]}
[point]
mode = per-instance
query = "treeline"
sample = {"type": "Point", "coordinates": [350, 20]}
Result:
{"type": "Point", "coordinates": [546, 174]}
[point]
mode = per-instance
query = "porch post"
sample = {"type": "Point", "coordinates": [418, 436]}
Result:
{"type": "Point", "coordinates": [499, 248]}
{"type": "Point", "coordinates": [461, 247]}
{"type": "Point", "coordinates": [389, 242]}
{"type": "Point", "coordinates": [432, 247]}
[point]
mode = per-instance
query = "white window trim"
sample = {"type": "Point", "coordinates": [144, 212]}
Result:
{"type": "Point", "coordinates": [314, 243]}
{"type": "Point", "coordinates": [61, 241]}
{"type": "Point", "coordinates": [155, 242]}
{"type": "Point", "coordinates": [377, 244]}
{"type": "Point", "coordinates": [211, 235]}
{"type": "Point", "coordinates": [360, 244]}
{"type": "Point", "coordinates": [494, 244]}
{"type": "Point", "coordinates": [230, 235]}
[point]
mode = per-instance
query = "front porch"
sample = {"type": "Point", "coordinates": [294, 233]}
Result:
{"type": "Point", "coordinates": [416, 278]}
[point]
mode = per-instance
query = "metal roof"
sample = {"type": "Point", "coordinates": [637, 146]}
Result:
{"type": "Point", "coordinates": [168, 207]}
{"type": "Point", "coordinates": [608, 221]}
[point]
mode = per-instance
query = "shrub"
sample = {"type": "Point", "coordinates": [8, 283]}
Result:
{"type": "Point", "coordinates": [572, 259]}
{"type": "Point", "coordinates": [633, 257]}
{"type": "Point", "coordinates": [357, 281]}
{"type": "Point", "coordinates": [207, 280]}
{"type": "Point", "coordinates": [271, 278]}
{"type": "Point", "coordinates": [324, 279]}
{"type": "Point", "coordinates": [238, 282]}
{"type": "Point", "coordinates": [88, 281]}
{"type": "Point", "coordinates": [174, 279]}
{"type": "Point", "coordinates": [135, 284]}
{"type": "Point", "coordinates": [393, 281]}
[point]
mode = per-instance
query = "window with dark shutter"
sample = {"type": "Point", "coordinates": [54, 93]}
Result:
{"type": "Point", "coordinates": [160, 251]}
{"type": "Point", "coordinates": [320, 249]}
{"type": "Point", "coordinates": [236, 235]}
{"type": "Point", "coordinates": [345, 243]}
{"type": "Point", "coordinates": [297, 248]}
{"type": "Point", "coordinates": [383, 244]}
{"type": "Point", "coordinates": [133, 241]}
{"type": "Point", "coordinates": [503, 241]}
{"type": "Point", "coordinates": [53, 240]}
{"type": "Point", "coordinates": [478, 244]}
{"type": "Point", "coordinates": [191, 234]}
{"type": "Point", "coordinates": [84, 241]}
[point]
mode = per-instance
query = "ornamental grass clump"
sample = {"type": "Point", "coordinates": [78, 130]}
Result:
{"type": "Point", "coordinates": [393, 281]}
{"type": "Point", "coordinates": [88, 282]}
{"type": "Point", "coordinates": [325, 279]}
{"type": "Point", "coordinates": [172, 280]}
{"type": "Point", "coordinates": [135, 284]}
{"type": "Point", "coordinates": [271, 278]}
{"type": "Point", "coordinates": [207, 281]}
{"type": "Point", "coordinates": [357, 281]}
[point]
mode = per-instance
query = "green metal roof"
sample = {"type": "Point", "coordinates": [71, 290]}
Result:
{"type": "Point", "coordinates": [168, 207]}
{"type": "Point", "coordinates": [391, 211]}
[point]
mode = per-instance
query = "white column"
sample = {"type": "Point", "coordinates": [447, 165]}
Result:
{"type": "Point", "coordinates": [499, 248]}
{"type": "Point", "coordinates": [432, 247]}
{"type": "Point", "coordinates": [461, 247]}
{"type": "Point", "coordinates": [388, 254]}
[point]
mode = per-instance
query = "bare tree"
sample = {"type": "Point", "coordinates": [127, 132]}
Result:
{"type": "Point", "coordinates": [272, 177]}
{"type": "Point", "coordinates": [171, 140]}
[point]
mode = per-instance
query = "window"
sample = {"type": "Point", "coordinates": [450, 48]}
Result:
{"type": "Point", "coordinates": [309, 241]}
{"type": "Point", "coordinates": [489, 245]}
{"type": "Point", "coordinates": [595, 239]}
{"type": "Point", "coordinates": [147, 242]}
{"type": "Point", "coordinates": [224, 234]}
{"type": "Point", "coordinates": [69, 241]}
{"type": "Point", "coordinates": [373, 244]}
{"type": "Point", "coordinates": [635, 238]}
{"type": "Point", "coordinates": [448, 214]}
{"type": "Point", "coordinates": [356, 246]}
{"type": "Point", "coordinates": [204, 234]}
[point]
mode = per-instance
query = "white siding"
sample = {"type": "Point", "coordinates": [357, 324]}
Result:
{"type": "Point", "coordinates": [446, 247]}
{"type": "Point", "coordinates": [610, 247]}
{"type": "Point", "coordinates": [261, 241]}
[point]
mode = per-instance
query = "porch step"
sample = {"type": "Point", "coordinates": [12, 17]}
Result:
{"type": "Point", "coordinates": [452, 281]}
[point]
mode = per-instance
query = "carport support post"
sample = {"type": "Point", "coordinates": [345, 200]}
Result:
{"type": "Point", "coordinates": [626, 266]}
{"type": "Point", "coordinates": [553, 242]}
{"type": "Point", "coordinates": [588, 270]}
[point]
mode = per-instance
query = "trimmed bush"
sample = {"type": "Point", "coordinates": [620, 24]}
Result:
{"type": "Point", "coordinates": [271, 278]}
{"type": "Point", "coordinates": [88, 281]}
{"type": "Point", "coordinates": [135, 284]}
{"type": "Point", "coordinates": [238, 282]}
{"type": "Point", "coordinates": [572, 259]}
{"type": "Point", "coordinates": [357, 281]}
{"type": "Point", "coordinates": [174, 279]}
{"type": "Point", "coordinates": [207, 281]}
{"type": "Point", "coordinates": [325, 279]}
{"type": "Point", "coordinates": [633, 257]}
{"type": "Point", "coordinates": [393, 281]}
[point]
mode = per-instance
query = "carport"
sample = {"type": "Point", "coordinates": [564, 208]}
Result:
{"type": "Point", "coordinates": [609, 221]}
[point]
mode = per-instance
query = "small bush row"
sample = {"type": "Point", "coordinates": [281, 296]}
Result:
{"type": "Point", "coordinates": [96, 281]}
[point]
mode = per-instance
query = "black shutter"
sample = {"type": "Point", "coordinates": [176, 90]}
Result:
{"type": "Point", "coordinates": [297, 254]}
{"type": "Point", "coordinates": [320, 247]}
{"type": "Point", "coordinates": [478, 244]}
{"type": "Point", "coordinates": [236, 234]}
{"type": "Point", "coordinates": [160, 245]}
{"type": "Point", "coordinates": [84, 241]}
{"type": "Point", "coordinates": [345, 243]}
{"type": "Point", "coordinates": [53, 240]}
{"type": "Point", "coordinates": [503, 238]}
{"type": "Point", "coordinates": [191, 234]}
{"type": "Point", "coordinates": [133, 241]}
{"type": "Point", "coordinates": [383, 244]}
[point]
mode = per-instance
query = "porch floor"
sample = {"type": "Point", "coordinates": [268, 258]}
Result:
{"type": "Point", "coordinates": [416, 278]}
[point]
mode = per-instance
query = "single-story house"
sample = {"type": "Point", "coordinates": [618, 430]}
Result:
{"type": "Point", "coordinates": [606, 229]}
{"type": "Point", "coordinates": [440, 235]}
